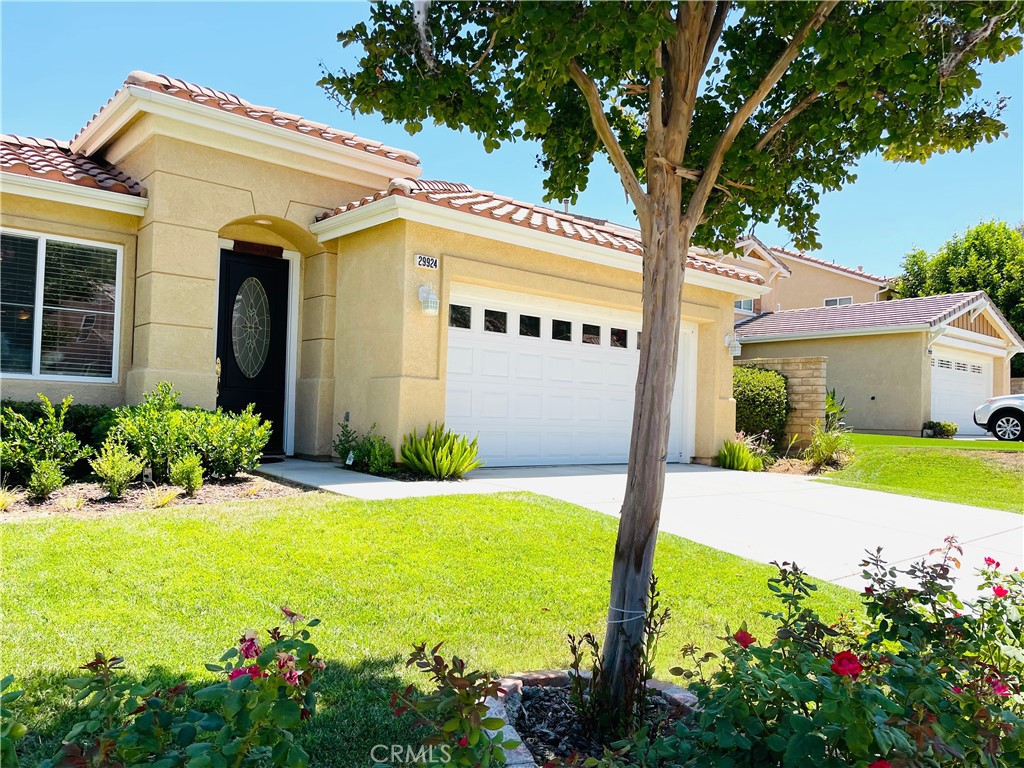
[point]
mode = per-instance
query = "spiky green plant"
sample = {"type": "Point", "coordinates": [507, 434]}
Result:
{"type": "Point", "coordinates": [736, 454]}
{"type": "Point", "coordinates": [440, 453]}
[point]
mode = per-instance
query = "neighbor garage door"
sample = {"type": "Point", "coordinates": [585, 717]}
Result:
{"type": "Point", "coordinates": [549, 382]}
{"type": "Point", "coordinates": [960, 383]}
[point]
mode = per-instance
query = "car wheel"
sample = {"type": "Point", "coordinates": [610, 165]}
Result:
{"type": "Point", "coordinates": [1008, 426]}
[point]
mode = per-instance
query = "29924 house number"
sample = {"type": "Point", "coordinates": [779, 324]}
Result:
{"type": "Point", "coordinates": [428, 262]}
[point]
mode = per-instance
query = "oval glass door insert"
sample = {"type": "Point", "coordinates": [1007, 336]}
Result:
{"type": "Point", "coordinates": [250, 327]}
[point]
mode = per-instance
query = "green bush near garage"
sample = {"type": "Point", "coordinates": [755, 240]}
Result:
{"type": "Point", "coordinates": [761, 402]}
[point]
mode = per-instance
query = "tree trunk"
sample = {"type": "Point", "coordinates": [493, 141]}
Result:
{"type": "Point", "coordinates": [666, 245]}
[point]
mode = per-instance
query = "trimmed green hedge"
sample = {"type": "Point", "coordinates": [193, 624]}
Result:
{"type": "Point", "coordinates": [761, 402]}
{"type": "Point", "coordinates": [89, 423]}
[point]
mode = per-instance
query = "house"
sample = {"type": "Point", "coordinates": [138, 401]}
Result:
{"type": "Point", "coordinates": [797, 280]}
{"type": "Point", "coordinates": [249, 255]}
{"type": "Point", "coordinates": [898, 363]}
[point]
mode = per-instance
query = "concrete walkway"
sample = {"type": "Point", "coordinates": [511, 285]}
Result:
{"type": "Point", "coordinates": [824, 528]}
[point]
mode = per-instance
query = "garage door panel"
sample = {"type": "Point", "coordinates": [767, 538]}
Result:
{"type": "Point", "coordinates": [960, 383]}
{"type": "Point", "coordinates": [544, 400]}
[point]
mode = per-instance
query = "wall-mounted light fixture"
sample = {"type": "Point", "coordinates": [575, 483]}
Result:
{"type": "Point", "coordinates": [733, 344]}
{"type": "Point", "coordinates": [428, 300]}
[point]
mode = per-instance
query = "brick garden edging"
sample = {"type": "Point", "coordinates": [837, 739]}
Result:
{"type": "Point", "coordinates": [512, 687]}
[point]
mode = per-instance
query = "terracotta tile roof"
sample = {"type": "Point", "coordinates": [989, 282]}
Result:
{"type": "Point", "coordinates": [54, 160]}
{"type": "Point", "coordinates": [462, 197]}
{"type": "Point", "coordinates": [858, 272]}
{"type": "Point", "coordinates": [926, 310]}
{"type": "Point", "coordinates": [228, 102]}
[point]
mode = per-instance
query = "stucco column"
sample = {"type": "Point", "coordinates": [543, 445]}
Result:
{"type": "Point", "coordinates": [716, 409]}
{"type": "Point", "coordinates": [175, 313]}
{"type": "Point", "coordinates": [314, 425]}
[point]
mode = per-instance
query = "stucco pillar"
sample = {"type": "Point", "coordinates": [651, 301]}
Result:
{"type": "Point", "coordinates": [716, 409]}
{"type": "Point", "coordinates": [314, 406]}
{"type": "Point", "coordinates": [175, 313]}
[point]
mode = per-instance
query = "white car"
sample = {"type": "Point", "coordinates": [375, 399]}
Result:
{"type": "Point", "coordinates": [1002, 416]}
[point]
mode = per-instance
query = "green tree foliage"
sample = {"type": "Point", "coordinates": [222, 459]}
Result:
{"type": "Point", "coordinates": [987, 257]}
{"type": "Point", "coordinates": [715, 115]}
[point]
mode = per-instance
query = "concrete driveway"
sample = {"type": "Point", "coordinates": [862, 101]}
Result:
{"type": "Point", "coordinates": [824, 528]}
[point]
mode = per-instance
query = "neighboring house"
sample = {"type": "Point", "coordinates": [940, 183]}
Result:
{"type": "Point", "coordinates": [798, 281]}
{"type": "Point", "coordinates": [249, 255]}
{"type": "Point", "coordinates": [898, 363]}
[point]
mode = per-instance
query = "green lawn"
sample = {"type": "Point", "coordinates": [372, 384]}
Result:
{"type": "Point", "coordinates": [978, 472]}
{"type": "Point", "coordinates": [501, 579]}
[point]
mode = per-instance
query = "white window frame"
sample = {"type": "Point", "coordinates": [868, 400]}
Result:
{"type": "Point", "coordinates": [41, 239]}
{"type": "Point", "coordinates": [838, 301]}
{"type": "Point", "coordinates": [738, 306]}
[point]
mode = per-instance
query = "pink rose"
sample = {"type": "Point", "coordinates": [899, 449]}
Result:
{"type": "Point", "coordinates": [292, 677]}
{"type": "Point", "coordinates": [957, 689]}
{"type": "Point", "coordinates": [999, 688]}
{"type": "Point", "coordinates": [991, 563]}
{"type": "Point", "coordinates": [1000, 591]}
{"type": "Point", "coordinates": [846, 664]}
{"type": "Point", "coordinates": [463, 742]}
{"type": "Point", "coordinates": [285, 660]}
{"type": "Point", "coordinates": [254, 670]}
{"type": "Point", "coordinates": [880, 764]}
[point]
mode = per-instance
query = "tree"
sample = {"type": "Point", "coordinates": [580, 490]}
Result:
{"type": "Point", "coordinates": [714, 115]}
{"type": "Point", "coordinates": [987, 257]}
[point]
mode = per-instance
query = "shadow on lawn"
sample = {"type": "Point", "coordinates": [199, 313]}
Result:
{"type": "Point", "coordinates": [352, 712]}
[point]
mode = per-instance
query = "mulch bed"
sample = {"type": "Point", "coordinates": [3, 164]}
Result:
{"type": "Point", "coordinates": [90, 500]}
{"type": "Point", "coordinates": [549, 727]}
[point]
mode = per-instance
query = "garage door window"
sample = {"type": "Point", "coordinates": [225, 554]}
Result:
{"type": "Point", "coordinates": [529, 325]}
{"type": "Point", "coordinates": [591, 334]}
{"type": "Point", "coordinates": [619, 338]}
{"type": "Point", "coordinates": [459, 316]}
{"type": "Point", "coordinates": [495, 321]}
{"type": "Point", "coordinates": [561, 330]}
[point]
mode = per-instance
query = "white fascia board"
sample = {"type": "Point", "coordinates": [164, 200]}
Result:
{"type": "Point", "coordinates": [854, 275]}
{"type": "Point", "coordinates": [984, 305]}
{"type": "Point", "coordinates": [72, 194]}
{"type": "Point", "coordinates": [398, 207]}
{"type": "Point", "coordinates": [958, 337]}
{"type": "Point", "coordinates": [876, 331]}
{"type": "Point", "coordinates": [131, 100]}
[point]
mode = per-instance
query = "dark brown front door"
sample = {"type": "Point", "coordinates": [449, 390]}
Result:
{"type": "Point", "coordinates": [252, 333]}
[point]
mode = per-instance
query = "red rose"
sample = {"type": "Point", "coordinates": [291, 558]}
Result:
{"type": "Point", "coordinates": [991, 563]}
{"type": "Point", "coordinates": [1000, 591]}
{"type": "Point", "coordinates": [869, 590]}
{"type": "Point", "coordinates": [463, 742]}
{"type": "Point", "coordinates": [744, 638]}
{"type": "Point", "coordinates": [846, 664]}
{"type": "Point", "coordinates": [880, 764]}
{"type": "Point", "coordinates": [957, 689]}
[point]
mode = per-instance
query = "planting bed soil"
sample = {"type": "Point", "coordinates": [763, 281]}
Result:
{"type": "Point", "coordinates": [90, 500]}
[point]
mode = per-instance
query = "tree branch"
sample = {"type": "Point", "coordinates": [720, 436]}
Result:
{"type": "Point", "coordinates": [725, 141]}
{"type": "Point", "coordinates": [695, 174]}
{"type": "Point", "coordinates": [421, 14]}
{"type": "Point", "coordinates": [788, 115]}
{"type": "Point", "coordinates": [717, 23]}
{"type": "Point", "coordinates": [604, 130]}
{"type": "Point", "coordinates": [952, 59]}
{"type": "Point", "coordinates": [487, 50]}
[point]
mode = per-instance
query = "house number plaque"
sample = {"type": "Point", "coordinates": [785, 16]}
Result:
{"type": "Point", "coordinates": [427, 262]}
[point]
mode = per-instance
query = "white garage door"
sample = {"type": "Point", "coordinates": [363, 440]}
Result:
{"type": "Point", "coordinates": [960, 383]}
{"type": "Point", "coordinates": [548, 382]}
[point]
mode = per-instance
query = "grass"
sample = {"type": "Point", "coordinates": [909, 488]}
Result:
{"type": "Point", "coordinates": [977, 472]}
{"type": "Point", "coordinates": [501, 579]}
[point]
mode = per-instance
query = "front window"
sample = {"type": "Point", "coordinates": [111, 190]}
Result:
{"type": "Point", "coordinates": [839, 301]}
{"type": "Point", "coordinates": [744, 305]}
{"type": "Point", "coordinates": [58, 307]}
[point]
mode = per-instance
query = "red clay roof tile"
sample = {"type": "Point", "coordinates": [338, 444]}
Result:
{"type": "Point", "coordinates": [54, 160]}
{"type": "Point", "coordinates": [229, 102]}
{"type": "Point", "coordinates": [462, 197]}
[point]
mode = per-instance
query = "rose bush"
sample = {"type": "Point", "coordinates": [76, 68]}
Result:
{"type": "Point", "coordinates": [244, 720]}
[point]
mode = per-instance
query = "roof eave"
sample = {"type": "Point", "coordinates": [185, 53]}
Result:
{"type": "Point", "coordinates": [73, 194]}
{"type": "Point", "coordinates": [133, 100]}
{"type": "Point", "coordinates": [877, 330]}
{"type": "Point", "coordinates": [395, 207]}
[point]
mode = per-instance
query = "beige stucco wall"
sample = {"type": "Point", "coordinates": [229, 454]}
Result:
{"type": "Point", "coordinates": [885, 379]}
{"type": "Point", "coordinates": [809, 285]}
{"type": "Point", "coordinates": [391, 358]}
{"type": "Point", "coordinates": [51, 218]}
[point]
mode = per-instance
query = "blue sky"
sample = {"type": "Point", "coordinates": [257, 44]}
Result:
{"type": "Point", "coordinates": [61, 62]}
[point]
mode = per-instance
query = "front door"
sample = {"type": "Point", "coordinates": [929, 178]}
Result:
{"type": "Point", "coordinates": [252, 333]}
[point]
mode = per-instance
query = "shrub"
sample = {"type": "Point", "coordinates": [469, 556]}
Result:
{"type": "Point", "coordinates": [46, 478]}
{"type": "Point", "coordinates": [89, 423]}
{"type": "Point", "coordinates": [454, 711]}
{"type": "Point", "coordinates": [161, 431]}
{"type": "Point", "coordinates": [736, 454]}
{"type": "Point", "coordinates": [761, 402]}
{"type": "Point", "coordinates": [25, 443]}
{"type": "Point", "coordinates": [266, 690]}
{"type": "Point", "coordinates": [440, 453]}
{"type": "Point", "coordinates": [942, 428]}
{"type": "Point", "coordinates": [828, 448]}
{"type": "Point", "coordinates": [922, 681]}
{"type": "Point", "coordinates": [116, 467]}
{"type": "Point", "coordinates": [369, 452]}
{"type": "Point", "coordinates": [187, 473]}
